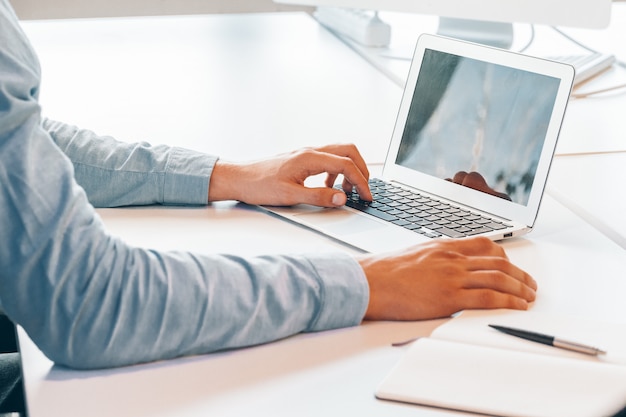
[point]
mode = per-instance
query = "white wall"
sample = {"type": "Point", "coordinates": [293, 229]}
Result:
{"type": "Point", "coordinates": [52, 9]}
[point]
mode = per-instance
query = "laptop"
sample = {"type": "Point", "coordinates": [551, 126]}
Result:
{"type": "Point", "coordinates": [470, 153]}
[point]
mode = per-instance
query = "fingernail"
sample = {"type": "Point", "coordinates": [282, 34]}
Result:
{"type": "Point", "coordinates": [339, 199]}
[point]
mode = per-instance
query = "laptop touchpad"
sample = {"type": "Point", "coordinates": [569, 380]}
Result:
{"type": "Point", "coordinates": [340, 221]}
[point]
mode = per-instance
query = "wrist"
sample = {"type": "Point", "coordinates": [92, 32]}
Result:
{"type": "Point", "coordinates": [365, 263]}
{"type": "Point", "coordinates": [223, 183]}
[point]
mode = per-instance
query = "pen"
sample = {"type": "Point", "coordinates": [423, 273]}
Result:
{"type": "Point", "coordinates": [549, 340]}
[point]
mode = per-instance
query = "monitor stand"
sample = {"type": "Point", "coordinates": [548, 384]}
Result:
{"type": "Point", "coordinates": [498, 34]}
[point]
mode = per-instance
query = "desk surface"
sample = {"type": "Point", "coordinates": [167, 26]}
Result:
{"type": "Point", "coordinates": [188, 80]}
{"type": "Point", "coordinates": [592, 187]}
{"type": "Point", "coordinates": [240, 98]}
{"type": "Point", "coordinates": [579, 271]}
{"type": "Point", "coordinates": [239, 86]}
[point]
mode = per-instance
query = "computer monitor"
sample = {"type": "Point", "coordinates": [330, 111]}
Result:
{"type": "Point", "coordinates": [487, 21]}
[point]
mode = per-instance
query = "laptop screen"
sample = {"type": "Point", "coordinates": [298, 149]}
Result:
{"type": "Point", "coordinates": [478, 124]}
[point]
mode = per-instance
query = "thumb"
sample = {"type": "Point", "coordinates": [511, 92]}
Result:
{"type": "Point", "coordinates": [325, 197]}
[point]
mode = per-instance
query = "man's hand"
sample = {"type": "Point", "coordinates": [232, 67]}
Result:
{"type": "Point", "coordinates": [476, 181]}
{"type": "Point", "coordinates": [279, 181]}
{"type": "Point", "coordinates": [443, 277]}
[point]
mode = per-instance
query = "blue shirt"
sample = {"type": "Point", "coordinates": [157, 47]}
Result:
{"type": "Point", "coordinates": [88, 299]}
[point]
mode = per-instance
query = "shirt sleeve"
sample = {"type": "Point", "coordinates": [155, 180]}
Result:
{"type": "Point", "coordinates": [115, 173]}
{"type": "Point", "coordinates": [89, 300]}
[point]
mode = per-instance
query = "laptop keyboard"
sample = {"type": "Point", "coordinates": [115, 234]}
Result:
{"type": "Point", "coordinates": [420, 213]}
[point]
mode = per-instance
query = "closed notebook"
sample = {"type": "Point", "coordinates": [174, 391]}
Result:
{"type": "Point", "coordinates": [465, 365]}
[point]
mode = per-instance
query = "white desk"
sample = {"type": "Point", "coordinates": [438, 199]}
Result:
{"type": "Point", "coordinates": [239, 86]}
{"type": "Point", "coordinates": [593, 187]}
{"type": "Point", "coordinates": [579, 272]}
{"type": "Point", "coordinates": [90, 64]}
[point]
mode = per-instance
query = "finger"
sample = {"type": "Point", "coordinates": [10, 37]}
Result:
{"type": "Point", "coordinates": [330, 180]}
{"type": "Point", "coordinates": [363, 188]}
{"type": "Point", "coordinates": [349, 151]}
{"type": "Point", "coordinates": [323, 197]}
{"type": "Point", "coordinates": [500, 265]}
{"type": "Point", "coordinates": [459, 177]}
{"type": "Point", "coordinates": [353, 175]}
{"type": "Point", "coordinates": [348, 187]}
{"type": "Point", "coordinates": [352, 178]}
{"type": "Point", "coordinates": [475, 180]}
{"type": "Point", "coordinates": [492, 269]}
{"type": "Point", "coordinates": [473, 246]}
{"type": "Point", "coordinates": [490, 299]}
{"type": "Point", "coordinates": [503, 283]}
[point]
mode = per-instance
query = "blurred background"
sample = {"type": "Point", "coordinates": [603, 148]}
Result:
{"type": "Point", "coordinates": [57, 9]}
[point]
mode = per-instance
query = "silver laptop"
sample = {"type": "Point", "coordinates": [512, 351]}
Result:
{"type": "Point", "coordinates": [470, 153]}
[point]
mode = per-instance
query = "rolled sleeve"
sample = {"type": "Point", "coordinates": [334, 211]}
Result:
{"type": "Point", "coordinates": [114, 173]}
{"type": "Point", "coordinates": [345, 292]}
{"type": "Point", "coordinates": [187, 176]}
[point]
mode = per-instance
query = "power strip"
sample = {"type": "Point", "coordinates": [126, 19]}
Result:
{"type": "Point", "coordinates": [362, 27]}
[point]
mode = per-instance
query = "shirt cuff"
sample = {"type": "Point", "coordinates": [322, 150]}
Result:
{"type": "Point", "coordinates": [187, 177]}
{"type": "Point", "coordinates": [345, 289]}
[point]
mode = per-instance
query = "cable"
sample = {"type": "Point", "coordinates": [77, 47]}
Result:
{"type": "Point", "coordinates": [530, 40]}
{"type": "Point", "coordinates": [571, 39]}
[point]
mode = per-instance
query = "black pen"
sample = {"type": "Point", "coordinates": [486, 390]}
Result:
{"type": "Point", "coordinates": [550, 340]}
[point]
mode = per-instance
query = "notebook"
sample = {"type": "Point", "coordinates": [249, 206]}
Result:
{"type": "Point", "coordinates": [474, 138]}
{"type": "Point", "coordinates": [466, 365]}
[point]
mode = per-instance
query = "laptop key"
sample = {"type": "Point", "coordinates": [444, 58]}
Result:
{"type": "Point", "coordinates": [479, 230]}
{"type": "Point", "coordinates": [449, 232]}
{"type": "Point", "coordinates": [374, 212]}
{"type": "Point", "coordinates": [401, 222]}
{"type": "Point", "coordinates": [380, 206]}
{"type": "Point", "coordinates": [495, 226]}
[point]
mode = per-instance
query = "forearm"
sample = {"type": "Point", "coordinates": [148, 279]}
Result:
{"type": "Point", "coordinates": [88, 300]}
{"type": "Point", "coordinates": [139, 306]}
{"type": "Point", "coordinates": [115, 173]}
